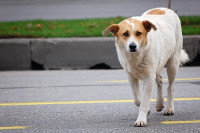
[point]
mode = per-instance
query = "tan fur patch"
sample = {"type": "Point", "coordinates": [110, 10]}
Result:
{"type": "Point", "coordinates": [113, 29]}
{"type": "Point", "coordinates": [156, 12]}
{"type": "Point", "coordinates": [140, 28]}
{"type": "Point", "coordinates": [124, 27]}
{"type": "Point", "coordinates": [130, 20]}
{"type": "Point", "coordinates": [148, 25]}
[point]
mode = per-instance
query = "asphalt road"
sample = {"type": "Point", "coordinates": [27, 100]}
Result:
{"type": "Point", "coordinates": [90, 101]}
{"type": "Point", "coordinates": [75, 9]}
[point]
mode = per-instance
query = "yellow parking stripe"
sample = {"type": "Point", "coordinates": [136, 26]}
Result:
{"type": "Point", "coordinates": [16, 127]}
{"type": "Point", "coordinates": [180, 122]}
{"type": "Point", "coordinates": [117, 81]}
{"type": "Point", "coordinates": [186, 99]}
{"type": "Point", "coordinates": [67, 102]}
{"type": "Point", "coordinates": [88, 102]}
{"type": "Point", "coordinates": [179, 79]}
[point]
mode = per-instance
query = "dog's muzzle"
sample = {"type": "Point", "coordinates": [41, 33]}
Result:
{"type": "Point", "coordinates": [132, 47]}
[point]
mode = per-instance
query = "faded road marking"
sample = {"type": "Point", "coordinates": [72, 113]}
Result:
{"type": "Point", "coordinates": [179, 79]}
{"type": "Point", "coordinates": [89, 102]}
{"type": "Point", "coordinates": [180, 122]}
{"type": "Point", "coordinates": [16, 127]}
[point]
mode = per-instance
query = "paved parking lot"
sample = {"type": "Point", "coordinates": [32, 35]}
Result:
{"type": "Point", "coordinates": [90, 101]}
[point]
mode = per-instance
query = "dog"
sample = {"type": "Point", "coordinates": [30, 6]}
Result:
{"type": "Point", "coordinates": [145, 45]}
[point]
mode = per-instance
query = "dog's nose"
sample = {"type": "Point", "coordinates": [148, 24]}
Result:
{"type": "Point", "coordinates": [132, 47]}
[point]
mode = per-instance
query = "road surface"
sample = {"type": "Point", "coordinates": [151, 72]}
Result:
{"type": "Point", "coordinates": [91, 101]}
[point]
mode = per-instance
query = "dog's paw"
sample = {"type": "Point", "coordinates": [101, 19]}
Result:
{"type": "Point", "coordinates": [149, 112]}
{"type": "Point", "coordinates": [140, 124]}
{"type": "Point", "coordinates": [137, 103]}
{"type": "Point", "coordinates": [169, 111]}
{"type": "Point", "coordinates": [159, 107]}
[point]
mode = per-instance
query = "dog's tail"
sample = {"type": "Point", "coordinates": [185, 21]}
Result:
{"type": "Point", "coordinates": [184, 57]}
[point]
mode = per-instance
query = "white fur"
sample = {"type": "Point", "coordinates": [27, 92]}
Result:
{"type": "Point", "coordinates": [164, 48]}
{"type": "Point", "coordinates": [184, 57]}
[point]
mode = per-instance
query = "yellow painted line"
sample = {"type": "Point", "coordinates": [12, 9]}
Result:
{"type": "Point", "coordinates": [88, 102]}
{"type": "Point", "coordinates": [186, 99]}
{"type": "Point", "coordinates": [117, 81]}
{"type": "Point", "coordinates": [179, 79]}
{"type": "Point", "coordinates": [16, 127]}
{"type": "Point", "coordinates": [180, 122]}
{"type": "Point", "coordinates": [181, 99]}
{"type": "Point", "coordinates": [67, 102]}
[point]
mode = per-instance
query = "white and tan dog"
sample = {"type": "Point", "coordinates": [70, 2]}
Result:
{"type": "Point", "coordinates": [145, 45]}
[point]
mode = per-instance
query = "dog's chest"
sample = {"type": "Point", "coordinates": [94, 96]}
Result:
{"type": "Point", "coordinates": [139, 71]}
{"type": "Point", "coordinates": [139, 68]}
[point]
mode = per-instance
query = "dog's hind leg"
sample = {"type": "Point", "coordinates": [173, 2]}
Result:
{"type": "Point", "coordinates": [134, 82]}
{"type": "Point", "coordinates": [159, 99]}
{"type": "Point", "coordinates": [172, 68]}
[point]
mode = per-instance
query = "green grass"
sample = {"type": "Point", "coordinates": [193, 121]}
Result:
{"type": "Point", "coordinates": [190, 25]}
{"type": "Point", "coordinates": [77, 28]}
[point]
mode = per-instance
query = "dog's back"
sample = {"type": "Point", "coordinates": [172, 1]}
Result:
{"type": "Point", "coordinates": [169, 26]}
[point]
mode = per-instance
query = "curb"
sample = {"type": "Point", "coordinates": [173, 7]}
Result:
{"type": "Point", "coordinates": [72, 53]}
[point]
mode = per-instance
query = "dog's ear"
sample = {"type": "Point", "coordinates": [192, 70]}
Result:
{"type": "Point", "coordinates": [112, 28]}
{"type": "Point", "coordinates": [148, 25]}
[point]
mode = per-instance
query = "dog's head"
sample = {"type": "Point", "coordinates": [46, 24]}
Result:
{"type": "Point", "coordinates": [131, 33]}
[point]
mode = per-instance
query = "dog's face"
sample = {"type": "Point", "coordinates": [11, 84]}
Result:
{"type": "Point", "coordinates": [131, 33]}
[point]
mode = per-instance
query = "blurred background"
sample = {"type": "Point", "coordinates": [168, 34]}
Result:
{"type": "Point", "coordinates": [67, 34]}
{"type": "Point", "coordinates": [75, 9]}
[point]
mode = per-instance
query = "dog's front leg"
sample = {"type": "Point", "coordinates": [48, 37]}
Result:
{"type": "Point", "coordinates": [134, 82]}
{"type": "Point", "coordinates": [145, 101]}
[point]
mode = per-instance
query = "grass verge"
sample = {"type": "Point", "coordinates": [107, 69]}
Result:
{"type": "Point", "coordinates": [77, 28]}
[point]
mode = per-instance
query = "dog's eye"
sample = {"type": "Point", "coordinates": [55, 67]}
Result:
{"type": "Point", "coordinates": [138, 33]}
{"type": "Point", "coordinates": [126, 34]}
